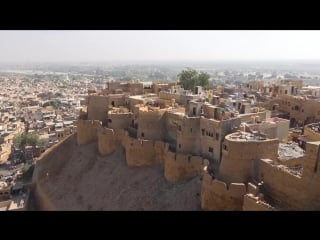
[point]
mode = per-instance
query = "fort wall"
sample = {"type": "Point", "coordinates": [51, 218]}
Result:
{"type": "Point", "coordinates": [116, 100]}
{"type": "Point", "coordinates": [300, 108]}
{"type": "Point", "coordinates": [179, 167]}
{"type": "Point", "coordinates": [172, 121]}
{"type": "Point", "coordinates": [151, 124]}
{"type": "Point", "coordinates": [49, 165]}
{"type": "Point", "coordinates": [262, 116]}
{"type": "Point", "coordinates": [238, 157]}
{"type": "Point", "coordinates": [216, 196]}
{"type": "Point", "coordinates": [253, 203]}
{"type": "Point", "coordinates": [141, 152]}
{"type": "Point", "coordinates": [188, 136]}
{"type": "Point", "coordinates": [107, 141]}
{"type": "Point", "coordinates": [169, 96]}
{"type": "Point", "coordinates": [210, 138]}
{"type": "Point", "coordinates": [97, 108]}
{"type": "Point", "coordinates": [284, 188]}
{"type": "Point", "coordinates": [119, 120]}
{"type": "Point", "coordinates": [310, 134]}
{"type": "Point", "coordinates": [87, 131]}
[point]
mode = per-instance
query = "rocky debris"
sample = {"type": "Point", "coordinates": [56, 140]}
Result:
{"type": "Point", "coordinates": [289, 150]}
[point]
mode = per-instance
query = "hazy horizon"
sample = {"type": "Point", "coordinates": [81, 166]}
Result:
{"type": "Point", "coordinates": [66, 46]}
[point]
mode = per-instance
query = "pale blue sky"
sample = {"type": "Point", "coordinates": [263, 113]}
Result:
{"type": "Point", "coordinates": [24, 46]}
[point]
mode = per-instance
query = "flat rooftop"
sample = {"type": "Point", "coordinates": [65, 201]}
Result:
{"type": "Point", "coordinates": [246, 136]}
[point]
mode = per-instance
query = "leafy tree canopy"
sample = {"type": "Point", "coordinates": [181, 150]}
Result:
{"type": "Point", "coordinates": [190, 78]}
{"type": "Point", "coordinates": [31, 139]}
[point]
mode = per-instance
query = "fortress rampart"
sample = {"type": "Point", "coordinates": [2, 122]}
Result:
{"type": "Point", "coordinates": [87, 131]}
{"type": "Point", "coordinates": [49, 165]}
{"type": "Point", "coordinates": [216, 195]}
{"type": "Point", "coordinates": [238, 153]}
{"type": "Point", "coordinates": [178, 166]}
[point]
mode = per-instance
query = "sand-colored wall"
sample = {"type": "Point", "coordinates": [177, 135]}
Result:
{"type": "Point", "coordinates": [142, 152]}
{"type": "Point", "coordinates": [97, 108]}
{"type": "Point", "coordinates": [282, 129]}
{"type": "Point", "coordinates": [237, 161]}
{"type": "Point", "coordinates": [169, 96]}
{"type": "Point", "coordinates": [120, 120]}
{"type": "Point", "coordinates": [307, 108]}
{"type": "Point", "coordinates": [290, 191]}
{"type": "Point", "coordinates": [151, 124]}
{"type": "Point", "coordinates": [42, 200]}
{"type": "Point", "coordinates": [109, 140]}
{"type": "Point", "coordinates": [116, 100]}
{"type": "Point", "coordinates": [215, 195]}
{"type": "Point", "coordinates": [135, 88]}
{"type": "Point", "coordinates": [252, 203]}
{"type": "Point", "coordinates": [179, 167]}
{"type": "Point", "coordinates": [112, 86]}
{"type": "Point", "coordinates": [87, 131]}
{"type": "Point", "coordinates": [293, 162]}
{"type": "Point", "coordinates": [133, 102]}
{"type": "Point", "coordinates": [172, 120]}
{"type": "Point", "coordinates": [310, 134]}
{"type": "Point", "coordinates": [210, 137]}
{"type": "Point", "coordinates": [262, 116]}
{"type": "Point", "coordinates": [49, 165]}
{"type": "Point", "coordinates": [209, 111]}
{"type": "Point", "coordinates": [283, 187]}
{"type": "Point", "coordinates": [159, 148]}
{"type": "Point", "coordinates": [188, 138]}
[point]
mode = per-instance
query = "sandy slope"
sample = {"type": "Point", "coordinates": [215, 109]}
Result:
{"type": "Point", "coordinates": [87, 181]}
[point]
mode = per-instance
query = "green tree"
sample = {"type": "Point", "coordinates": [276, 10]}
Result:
{"type": "Point", "coordinates": [190, 78]}
{"type": "Point", "coordinates": [42, 143]}
{"type": "Point", "coordinates": [203, 79]}
{"type": "Point", "coordinates": [20, 140]}
{"type": "Point", "coordinates": [31, 139]}
{"type": "Point", "coordinates": [55, 104]}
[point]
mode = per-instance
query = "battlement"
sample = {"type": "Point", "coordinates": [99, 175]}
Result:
{"type": "Point", "coordinates": [109, 140]}
{"type": "Point", "coordinates": [119, 119]}
{"type": "Point", "coordinates": [216, 195]}
{"type": "Point", "coordinates": [97, 108]}
{"type": "Point", "coordinates": [141, 152]}
{"type": "Point", "coordinates": [87, 131]}
{"type": "Point", "coordinates": [179, 167]}
{"type": "Point", "coordinates": [254, 203]}
{"type": "Point", "coordinates": [239, 151]}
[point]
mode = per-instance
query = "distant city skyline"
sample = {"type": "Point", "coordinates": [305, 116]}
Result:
{"type": "Point", "coordinates": [144, 46]}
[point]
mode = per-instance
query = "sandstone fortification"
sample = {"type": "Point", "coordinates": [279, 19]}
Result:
{"type": "Point", "coordinates": [122, 135]}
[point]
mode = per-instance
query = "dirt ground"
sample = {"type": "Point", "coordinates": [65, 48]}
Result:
{"type": "Point", "coordinates": [87, 181]}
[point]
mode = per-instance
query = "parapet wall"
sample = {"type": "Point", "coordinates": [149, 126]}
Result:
{"type": "Point", "coordinates": [188, 136]}
{"type": "Point", "coordinates": [169, 96]}
{"type": "Point", "coordinates": [119, 120]}
{"type": "Point", "coordinates": [109, 140]}
{"type": "Point", "coordinates": [98, 108]}
{"type": "Point", "coordinates": [49, 165]}
{"type": "Point", "coordinates": [262, 116]}
{"type": "Point", "coordinates": [141, 152]}
{"type": "Point", "coordinates": [252, 203]}
{"type": "Point", "coordinates": [151, 124]}
{"type": "Point", "coordinates": [310, 134]}
{"type": "Point", "coordinates": [216, 196]}
{"type": "Point", "coordinates": [43, 201]}
{"type": "Point", "coordinates": [172, 120]}
{"type": "Point", "coordinates": [285, 189]}
{"type": "Point", "coordinates": [238, 156]}
{"type": "Point", "coordinates": [87, 131]}
{"type": "Point", "coordinates": [178, 166]}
